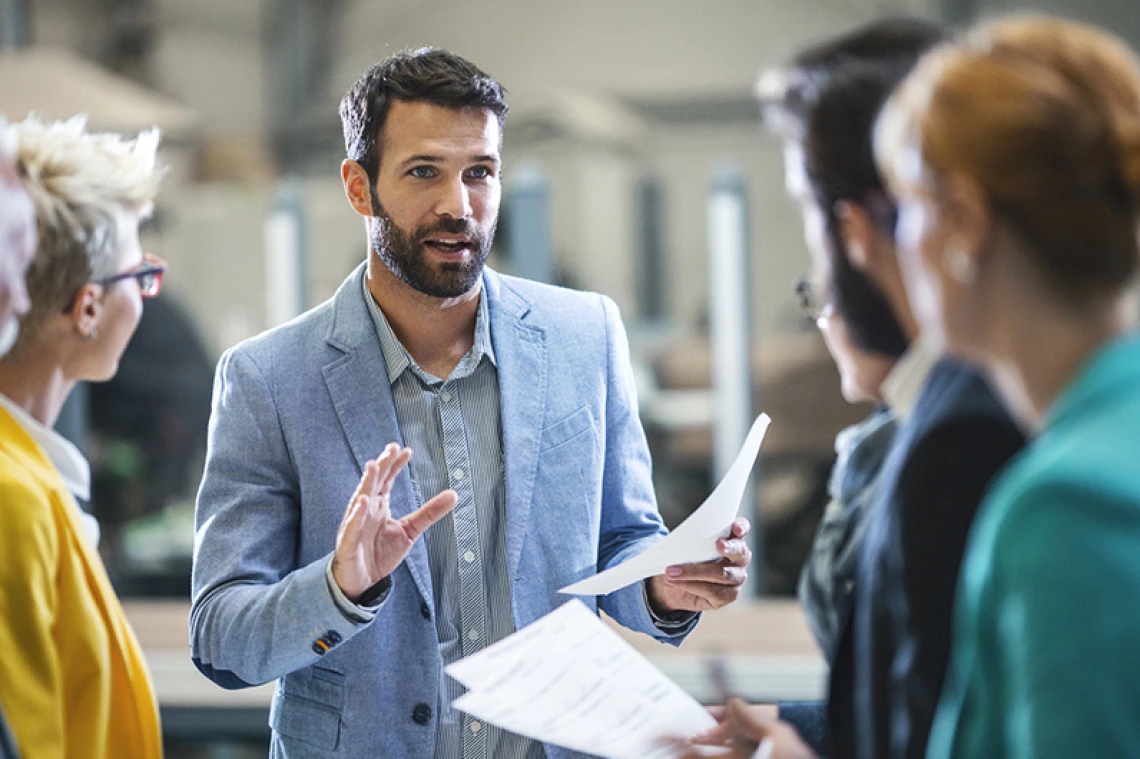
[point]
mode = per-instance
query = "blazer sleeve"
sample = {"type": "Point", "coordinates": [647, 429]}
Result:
{"type": "Point", "coordinates": [255, 616]}
{"type": "Point", "coordinates": [630, 522]}
{"type": "Point", "coordinates": [939, 490]}
{"type": "Point", "coordinates": [31, 671]}
{"type": "Point", "coordinates": [1061, 609]}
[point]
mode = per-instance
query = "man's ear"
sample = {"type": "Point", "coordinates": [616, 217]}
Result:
{"type": "Point", "coordinates": [857, 233]}
{"type": "Point", "coordinates": [86, 311]}
{"type": "Point", "coordinates": [357, 188]}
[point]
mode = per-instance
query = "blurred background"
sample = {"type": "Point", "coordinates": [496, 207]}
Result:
{"type": "Point", "coordinates": [634, 165]}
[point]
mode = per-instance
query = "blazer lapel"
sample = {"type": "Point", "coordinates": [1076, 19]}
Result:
{"type": "Point", "coordinates": [358, 385]}
{"type": "Point", "coordinates": [521, 358]}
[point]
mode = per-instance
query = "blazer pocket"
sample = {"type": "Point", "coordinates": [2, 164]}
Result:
{"type": "Point", "coordinates": [323, 686]}
{"type": "Point", "coordinates": [309, 706]}
{"type": "Point", "coordinates": [334, 677]}
{"type": "Point", "coordinates": [306, 721]}
{"type": "Point", "coordinates": [566, 430]}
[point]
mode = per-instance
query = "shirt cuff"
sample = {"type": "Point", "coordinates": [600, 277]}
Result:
{"type": "Point", "coordinates": [361, 614]}
{"type": "Point", "coordinates": [670, 622]}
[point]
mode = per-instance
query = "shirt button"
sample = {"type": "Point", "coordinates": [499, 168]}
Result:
{"type": "Point", "coordinates": [446, 396]}
{"type": "Point", "coordinates": [421, 714]}
{"type": "Point", "coordinates": [469, 557]}
{"type": "Point", "coordinates": [473, 635]}
{"type": "Point", "coordinates": [459, 474]}
{"type": "Point", "coordinates": [476, 726]}
{"type": "Point", "coordinates": [425, 610]}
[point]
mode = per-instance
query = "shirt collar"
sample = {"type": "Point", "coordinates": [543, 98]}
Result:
{"type": "Point", "coordinates": [64, 456]}
{"type": "Point", "coordinates": [398, 359]}
{"type": "Point", "coordinates": [906, 379]}
{"type": "Point", "coordinates": [67, 459]}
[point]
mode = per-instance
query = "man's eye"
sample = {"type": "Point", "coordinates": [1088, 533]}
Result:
{"type": "Point", "coordinates": [422, 172]}
{"type": "Point", "coordinates": [479, 172]}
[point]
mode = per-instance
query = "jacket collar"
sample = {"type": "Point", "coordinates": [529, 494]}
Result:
{"type": "Point", "coordinates": [1111, 371]}
{"type": "Point", "coordinates": [351, 325]}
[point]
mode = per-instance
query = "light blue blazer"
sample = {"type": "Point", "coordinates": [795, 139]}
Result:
{"type": "Point", "coordinates": [297, 412]}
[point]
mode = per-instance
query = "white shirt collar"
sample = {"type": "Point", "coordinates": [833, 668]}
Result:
{"type": "Point", "coordinates": [68, 460]}
{"type": "Point", "coordinates": [903, 385]}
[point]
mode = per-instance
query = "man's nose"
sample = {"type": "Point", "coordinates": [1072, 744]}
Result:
{"type": "Point", "coordinates": [454, 200]}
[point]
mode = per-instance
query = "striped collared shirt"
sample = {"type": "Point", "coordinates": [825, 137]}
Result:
{"type": "Point", "coordinates": [454, 429]}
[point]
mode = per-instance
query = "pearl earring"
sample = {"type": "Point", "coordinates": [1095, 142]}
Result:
{"type": "Point", "coordinates": [958, 265]}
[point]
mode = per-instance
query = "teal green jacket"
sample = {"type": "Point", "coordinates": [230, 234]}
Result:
{"type": "Point", "coordinates": [1046, 659]}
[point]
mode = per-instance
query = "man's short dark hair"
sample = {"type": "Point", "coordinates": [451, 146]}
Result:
{"type": "Point", "coordinates": [428, 75]}
{"type": "Point", "coordinates": [826, 100]}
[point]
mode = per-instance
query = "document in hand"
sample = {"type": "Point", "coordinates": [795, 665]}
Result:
{"type": "Point", "coordinates": [570, 680]}
{"type": "Point", "coordinates": [694, 540]}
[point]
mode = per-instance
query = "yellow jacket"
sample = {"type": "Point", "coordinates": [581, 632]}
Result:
{"type": "Point", "coordinates": [73, 683]}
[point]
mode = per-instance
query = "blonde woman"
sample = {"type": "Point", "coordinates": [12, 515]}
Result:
{"type": "Point", "coordinates": [73, 682]}
{"type": "Point", "coordinates": [1015, 156]}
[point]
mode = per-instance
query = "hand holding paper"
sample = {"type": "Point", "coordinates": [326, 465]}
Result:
{"type": "Point", "coordinates": [695, 539]}
{"type": "Point", "coordinates": [707, 585]}
{"type": "Point", "coordinates": [750, 732]}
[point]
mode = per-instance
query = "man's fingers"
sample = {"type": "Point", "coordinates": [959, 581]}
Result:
{"type": "Point", "coordinates": [746, 723]}
{"type": "Point", "coordinates": [416, 523]}
{"type": "Point", "coordinates": [741, 727]}
{"type": "Point", "coordinates": [367, 482]}
{"type": "Point", "coordinates": [740, 527]}
{"type": "Point", "coordinates": [715, 596]}
{"type": "Point", "coordinates": [742, 724]}
{"type": "Point", "coordinates": [736, 710]}
{"type": "Point", "coordinates": [352, 522]}
{"type": "Point", "coordinates": [735, 550]}
{"type": "Point", "coordinates": [397, 464]}
{"type": "Point", "coordinates": [716, 573]}
{"type": "Point", "coordinates": [385, 462]}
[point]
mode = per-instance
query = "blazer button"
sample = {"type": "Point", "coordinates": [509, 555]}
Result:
{"type": "Point", "coordinates": [333, 637]}
{"type": "Point", "coordinates": [421, 715]}
{"type": "Point", "coordinates": [425, 610]}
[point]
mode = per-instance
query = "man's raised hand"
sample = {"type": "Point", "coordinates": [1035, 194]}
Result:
{"type": "Point", "coordinates": [370, 544]}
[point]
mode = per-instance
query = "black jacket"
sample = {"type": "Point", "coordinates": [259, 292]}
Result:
{"type": "Point", "coordinates": [888, 670]}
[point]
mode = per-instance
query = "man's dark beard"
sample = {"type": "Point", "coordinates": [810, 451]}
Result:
{"type": "Point", "coordinates": [403, 254]}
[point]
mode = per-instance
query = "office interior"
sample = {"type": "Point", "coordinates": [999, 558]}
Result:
{"type": "Point", "coordinates": [635, 165]}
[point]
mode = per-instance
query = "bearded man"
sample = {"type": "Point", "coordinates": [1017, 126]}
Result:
{"type": "Point", "coordinates": [530, 472]}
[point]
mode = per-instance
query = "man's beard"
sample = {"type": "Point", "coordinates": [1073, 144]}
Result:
{"type": "Point", "coordinates": [404, 256]}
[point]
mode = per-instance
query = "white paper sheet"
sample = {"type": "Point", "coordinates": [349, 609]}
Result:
{"type": "Point", "coordinates": [568, 679]}
{"type": "Point", "coordinates": [694, 540]}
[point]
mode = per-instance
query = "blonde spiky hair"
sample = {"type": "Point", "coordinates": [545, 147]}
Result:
{"type": "Point", "coordinates": [81, 184]}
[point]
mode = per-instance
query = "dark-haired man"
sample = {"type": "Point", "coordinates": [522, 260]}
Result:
{"type": "Point", "coordinates": [518, 400]}
{"type": "Point", "coordinates": [904, 543]}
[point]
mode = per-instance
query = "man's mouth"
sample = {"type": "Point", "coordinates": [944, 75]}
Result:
{"type": "Point", "coordinates": [449, 245]}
